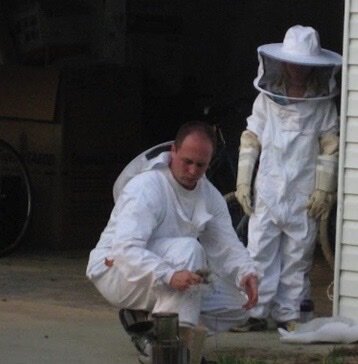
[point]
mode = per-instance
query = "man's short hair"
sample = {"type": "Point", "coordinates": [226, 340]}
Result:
{"type": "Point", "coordinates": [196, 126]}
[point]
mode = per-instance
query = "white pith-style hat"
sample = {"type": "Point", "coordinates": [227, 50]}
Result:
{"type": "Point", "coordinates": [301, 45]}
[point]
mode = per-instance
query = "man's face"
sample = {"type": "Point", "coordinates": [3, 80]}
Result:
{"type": "Point", "coordinates": [191, 160]}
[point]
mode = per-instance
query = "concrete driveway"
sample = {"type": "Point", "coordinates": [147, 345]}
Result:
{"type": "Point", "coordinates": [50, 313]}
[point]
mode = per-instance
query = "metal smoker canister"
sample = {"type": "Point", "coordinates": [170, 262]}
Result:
{"type": "Point", "coordinates": [167, 347]}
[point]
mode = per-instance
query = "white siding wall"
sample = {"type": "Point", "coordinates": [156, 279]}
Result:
{"type": "Point", "coordinates": [346, 267]}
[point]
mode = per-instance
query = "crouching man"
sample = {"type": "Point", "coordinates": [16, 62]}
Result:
{"type": "Point", "coordinates": [168, 225]}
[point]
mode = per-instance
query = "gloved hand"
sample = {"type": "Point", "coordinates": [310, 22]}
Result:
{"type": "Point", "coordinates": [321, 200]}
{"type": "Point", "coordinates": [243, 195]}
{"type": "Point", "coordinates": [320, 203]}
{"type": "Point", "coordinates": [248, 154]}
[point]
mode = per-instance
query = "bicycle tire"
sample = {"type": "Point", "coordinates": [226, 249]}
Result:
{"type": "Point", "coordinates": [15, 198]}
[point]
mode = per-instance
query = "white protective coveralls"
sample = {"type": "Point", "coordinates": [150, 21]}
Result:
{"type": "Point", "coordinates": [281, 233]}
{"type": "Point", "coordinates": [158, 227]}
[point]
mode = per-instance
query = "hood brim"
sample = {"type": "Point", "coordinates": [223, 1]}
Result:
{"type": "Point", "coordinates": [324, 58]}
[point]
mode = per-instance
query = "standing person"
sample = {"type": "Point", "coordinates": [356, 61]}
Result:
{"type": "Point", "coordinates": [169, 223]}
{"type": "Point", "coordinates": [293, 132]}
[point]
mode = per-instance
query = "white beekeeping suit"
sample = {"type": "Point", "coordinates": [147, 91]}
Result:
{"type": "Point", "coordinates": [293, 132]}
{"type": "Point", "coordinates": [148, 248]}
{"type": "Point", "coordinates": [143, 162]}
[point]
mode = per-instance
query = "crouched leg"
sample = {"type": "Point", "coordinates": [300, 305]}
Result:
{"type": "Point", "coordinates": [181, 254]}
{"type": "Point", "coordinates": [149, 294]}
{"type": "Point", "coordinates": [221, 307]}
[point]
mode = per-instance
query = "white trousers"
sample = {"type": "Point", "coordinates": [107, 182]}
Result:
{"type": "Point", "coordinates": [283, 252]}
{"type": "Point", "coordinates": [217, 305]}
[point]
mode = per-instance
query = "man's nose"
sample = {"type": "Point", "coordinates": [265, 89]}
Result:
{"type": "Point", "coordinates": [193, 170]}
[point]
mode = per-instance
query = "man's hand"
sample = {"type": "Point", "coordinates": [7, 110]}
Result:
{"type": "Point", "coordinates": [249, 283]}
{"type": "Point", "coordinates": [184, 279]}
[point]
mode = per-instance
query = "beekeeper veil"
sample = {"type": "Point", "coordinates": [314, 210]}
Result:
{"type": "Point", "coordinates": [300, 55]}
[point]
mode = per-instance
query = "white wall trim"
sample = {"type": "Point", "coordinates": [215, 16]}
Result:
{"type": "Point", "coordinates": [343, 118]}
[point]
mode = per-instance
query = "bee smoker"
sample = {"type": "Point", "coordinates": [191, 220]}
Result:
{"type": "Point", "coordinates": [167, 346]}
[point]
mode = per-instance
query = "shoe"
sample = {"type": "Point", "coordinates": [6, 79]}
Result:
{"type": "Point", "coordinates": [289, 326]}
{"type": "Point", "coordinates": [252, 324]}
{"type": "Point", "coordinates": [144, 347]}
{"type": "Point", "coordinates": [137, 325]}
{"type": "Point", "coordinates": [135, 322]}
{"type": "Point", "coordinates": [143, 359]}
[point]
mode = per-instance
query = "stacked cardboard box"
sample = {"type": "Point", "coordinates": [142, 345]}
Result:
{"type": "Point", "coordinates": [76, 131]}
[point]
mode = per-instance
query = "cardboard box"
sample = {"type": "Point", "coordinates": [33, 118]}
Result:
{"type": "Point", "coordinates": [93, 129]}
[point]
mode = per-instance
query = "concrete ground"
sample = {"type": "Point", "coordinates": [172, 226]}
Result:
{"type": "Point", "coordinates": [50, 313]}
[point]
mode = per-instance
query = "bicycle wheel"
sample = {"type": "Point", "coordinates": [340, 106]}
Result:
{"type": "Point", "coordinates": [15, 198]}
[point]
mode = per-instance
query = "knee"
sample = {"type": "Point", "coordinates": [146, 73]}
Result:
{"type": "Point", "coordinates": [192, 246]}
{"type": "Point", "coordinates": [186, 253]}
{"type": "Point", "coordinates": [192, 254]}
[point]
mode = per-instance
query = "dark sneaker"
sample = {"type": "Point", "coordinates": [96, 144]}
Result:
{"type": "Point", "coordinates": [139, 327]}
{"type": "Point", "coordinates": [135, 322]}
{"type": "Point", "coordinates": [252, 324]}
{"type": "Point", "coordinates": [144, 359]}
{"type": "Point", "coordinates": [142, 344]}
{"type": "Point", "coordinates": [289, 326]}
{"type": "Point", "coordinates": [144, 347]}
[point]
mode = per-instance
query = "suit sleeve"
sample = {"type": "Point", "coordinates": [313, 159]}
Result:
{"type": "Point", "coordinates": [227, 256]}
{"type": "Point", "coordinates": [136, 215]}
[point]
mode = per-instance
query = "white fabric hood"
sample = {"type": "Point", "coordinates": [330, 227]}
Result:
{"type": "Point", "coordinates": [301, 46]}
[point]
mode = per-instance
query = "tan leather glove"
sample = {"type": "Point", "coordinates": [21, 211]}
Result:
{"type": "Point", "coordinates": [320, 203]}
{"type": "Point", "coordinates": [249, 151]}
{"type": "Point", "coordinates": [322, 199]}
{"type": "Point", "coordinates": [243, 195]}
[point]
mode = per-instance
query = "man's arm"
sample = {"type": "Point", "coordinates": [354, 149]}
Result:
{"type": "Point", "coordinates": [226, 254]}
{"type": "Point", "coordinates": [138, 212]}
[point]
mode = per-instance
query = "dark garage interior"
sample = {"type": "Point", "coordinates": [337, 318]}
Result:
{"type": "Point", "coordinates": [85, 85]}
